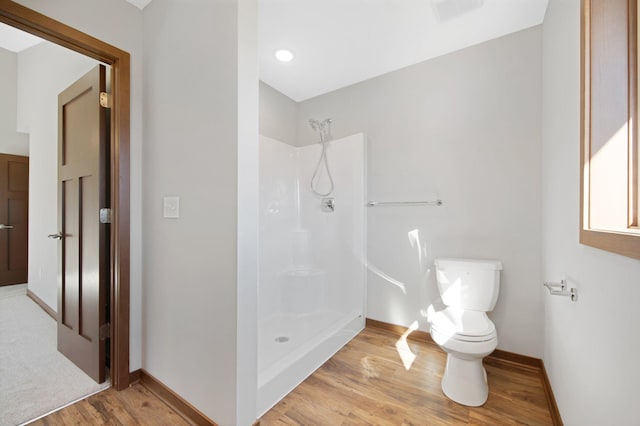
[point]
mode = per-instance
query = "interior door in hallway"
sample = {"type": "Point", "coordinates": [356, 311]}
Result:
{"type": "Point", "coordinates": [14, 223]}
{"type": "Point", "coordinates": [83, 253]}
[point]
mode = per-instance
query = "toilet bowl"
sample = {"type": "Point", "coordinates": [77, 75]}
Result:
{"type": "Point", "coordinates": [469, 288]}
{"type": "Point", "coordinates": [464, 379]}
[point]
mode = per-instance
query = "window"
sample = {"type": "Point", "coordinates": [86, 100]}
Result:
{"type": "Point", "coordinates": [610, 197]}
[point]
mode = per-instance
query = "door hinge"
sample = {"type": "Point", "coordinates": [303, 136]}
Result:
{"type": "Point", "coordinates": [105, 331]}
{"type": "Point", "coordinates": [105, 215]}
{"type": "Point", "coordinates": [105, 100]}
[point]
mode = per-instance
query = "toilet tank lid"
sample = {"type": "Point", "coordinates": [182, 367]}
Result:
{"type": "Point", "coordinates": [451, 263]}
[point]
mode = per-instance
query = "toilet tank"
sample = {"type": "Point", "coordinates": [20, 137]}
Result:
{"type": "Point", "coordinates": [471, 284]}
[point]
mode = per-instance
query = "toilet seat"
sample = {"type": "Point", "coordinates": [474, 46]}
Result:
{"type": "Point", "coordinates": [461, 337]}
{"type": "Point", "coordinates": [463, 325]}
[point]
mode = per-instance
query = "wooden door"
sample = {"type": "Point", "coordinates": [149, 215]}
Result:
{"type": "Point", "coordinates": [14, 222]}
{"type": "Point", "coordinates": [83, 256]}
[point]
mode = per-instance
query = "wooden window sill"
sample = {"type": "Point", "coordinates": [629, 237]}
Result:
{"type": "Point", "coordinates": [626, 244]}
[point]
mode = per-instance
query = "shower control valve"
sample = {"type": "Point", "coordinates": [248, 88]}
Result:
{"type": "Point", "coordinates": [328, 205]}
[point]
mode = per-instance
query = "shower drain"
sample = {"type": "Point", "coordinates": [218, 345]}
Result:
{"type": "Point", "coordinates": [282, 339]}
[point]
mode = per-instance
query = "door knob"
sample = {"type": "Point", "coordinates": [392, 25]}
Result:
{"type": "Point", "coordinates": [3, 226]}
{"type": "Point", "coordinates": [57, 236]}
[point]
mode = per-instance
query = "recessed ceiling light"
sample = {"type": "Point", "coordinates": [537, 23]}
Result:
{"type": "Point", "coordinates": [284, 55]}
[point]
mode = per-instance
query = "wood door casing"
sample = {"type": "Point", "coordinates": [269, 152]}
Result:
{"type": "Point", "coordinates": [83, 271]}
{"type": "Point", "coordinates": [29, 20]}
{"type": "Point", "coordinates": [14, 214]}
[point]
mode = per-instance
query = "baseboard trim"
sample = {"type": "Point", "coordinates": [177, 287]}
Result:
{"type": "Point", "coordinates": [517, 359]}
{"type": "Point", "coordinates": [551, 400]}
{"type": "Point", "coordinates": [43, 305]}
{"type": "Point", "coordinates": [419, 335]}
{"type": "Point", "coordinates": [522, 361]}
{"type": "Point", "coordinates": [135, 376]}
{"type": "Point", "coordinates": [173, 400]}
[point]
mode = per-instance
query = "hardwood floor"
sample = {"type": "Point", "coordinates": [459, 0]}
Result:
{"type": "Point", "coordinates": [132, 406]}
{"type": "Point", "coordinates": [365, 383]}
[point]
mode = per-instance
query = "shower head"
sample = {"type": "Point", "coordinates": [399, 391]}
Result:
{"type": "Point", "coordinates": [322, 127]}
{"type": "Point", "coordinates": [315, 124]}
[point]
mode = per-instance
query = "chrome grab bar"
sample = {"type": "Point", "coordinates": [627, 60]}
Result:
{"type": "Point", "coordinates": [560, 289]}
{"type": "Point", "coordinates": [3, 226]}
{"type": "Point", "coordinates": [405, 203]}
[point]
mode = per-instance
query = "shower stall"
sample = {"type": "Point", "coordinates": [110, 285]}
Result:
{"type": "Point", "coordinates": [311, 277]}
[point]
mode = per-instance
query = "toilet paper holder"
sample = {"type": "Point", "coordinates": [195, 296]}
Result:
{"type": "Point", "coordinates": [560, 289]}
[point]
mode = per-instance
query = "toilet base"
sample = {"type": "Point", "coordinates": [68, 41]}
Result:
{"type": "Point", "coordinates": [465, 381]}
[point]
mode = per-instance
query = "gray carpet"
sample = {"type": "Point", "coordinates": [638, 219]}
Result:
{"type": "Point", "coordinates": [34, 377]}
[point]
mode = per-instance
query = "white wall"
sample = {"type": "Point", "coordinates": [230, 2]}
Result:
{"type": "Point", "coordinates": [278, 115]}
{"type": "Point", "coordinates": [44, 71]}
{"type": "Point", "coordinates": [201, 124]}
{"type": "Point", "coordinates": [591, 351]}
{"type": "Point", "coordinates": [11, 142]}
{"type": "Point", "coordinates": [466, 128]}
{"type": "Point", "coordinates": [120, 24]}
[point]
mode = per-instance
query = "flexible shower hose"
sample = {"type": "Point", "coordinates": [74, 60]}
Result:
{"type": "Point", "coordinates": [323, 157]}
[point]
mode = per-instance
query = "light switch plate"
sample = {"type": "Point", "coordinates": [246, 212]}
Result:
{"type": "Point", "coordinates": [171, 207]}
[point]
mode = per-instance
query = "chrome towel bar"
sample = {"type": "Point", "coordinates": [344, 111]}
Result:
{"type": "Point", "coordinates": [404, 203]}
{"type": "Point", "coordinates": [560, 289]}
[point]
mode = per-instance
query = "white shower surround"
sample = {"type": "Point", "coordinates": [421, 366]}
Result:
{"type": "Point", "coordinates": [311, 263]}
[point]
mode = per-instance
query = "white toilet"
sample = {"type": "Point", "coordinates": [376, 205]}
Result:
{"type": "Point", "coordinates": [469, 288]}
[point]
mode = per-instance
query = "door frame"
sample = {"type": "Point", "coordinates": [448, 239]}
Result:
{"type": "Point", "coordinates": [56, 32]}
